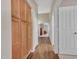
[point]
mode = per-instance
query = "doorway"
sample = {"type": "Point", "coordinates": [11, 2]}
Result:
{"type": "Point", "coordinates": [43, 30]}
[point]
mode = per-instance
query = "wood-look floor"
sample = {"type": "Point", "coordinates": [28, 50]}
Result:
{"type": "Point", "coordinates": [44, 50]}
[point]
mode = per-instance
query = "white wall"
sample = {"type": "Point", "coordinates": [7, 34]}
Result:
{"type": "Point", "coordinates": [34, 10]}
{"type": "Point", "coordinates": [51, 31]}
{"type": "Point", "coordinates": [6, 40]}
{"type": "Point", "coordinates": [55, 4]}
{"type": "Point", "coordinates": [43, 17]}
{"type": "Point", "coordinates": [56, 30]}
{"type": "Point", "coordinates": [35, 29]}
{"type": "Point", "coordinates": [52, 34]}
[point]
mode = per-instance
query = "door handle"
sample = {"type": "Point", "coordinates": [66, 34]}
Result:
{"type": "Point", "coordinates": [75, 33]}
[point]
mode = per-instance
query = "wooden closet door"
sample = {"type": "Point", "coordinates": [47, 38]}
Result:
{"type": "Point", "coordinates": [16, 41]}
{"type": "Point", "coordinates": [29, 36]}
{"type": "Point", "coordinates": [15, 8]}
{"type": "Point", "coordinates": [23, 10]}
{"type": "Point", "coordinates": [28, 14]}
{"type": "Point", "coordinates": [29, 29]}
{"type": "Point", "coordinates": [21, 29]}
{"type": "Point", "coordinates": [24, 35]}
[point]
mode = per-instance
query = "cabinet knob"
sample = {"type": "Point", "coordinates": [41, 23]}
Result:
{"type": "Point", "coordinates": [75, 33]}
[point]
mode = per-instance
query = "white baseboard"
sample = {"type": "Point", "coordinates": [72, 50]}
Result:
{"type": "Point", "coordinates": [27, 54]}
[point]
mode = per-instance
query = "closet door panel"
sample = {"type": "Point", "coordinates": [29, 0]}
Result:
{"type": "Point", "coordinates": [24, 39]}
{"type": "Point", "coordinates": [15, 8]}
{"type": "Point", "coordinates": [23, 10]}
{"type": "Point", "coordinates": [29, 15]}
{"type": "Point", "coordinates": [29, 37]}
{"type": "Point", "coordinates": [21, 29]}
{"type": "Point", "coordinates": [16, 46]}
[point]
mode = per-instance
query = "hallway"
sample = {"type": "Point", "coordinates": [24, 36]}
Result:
{"type": "Point", "coordinates": [39, 29]}
{"type": "Point", "coordinates": [43, 50]}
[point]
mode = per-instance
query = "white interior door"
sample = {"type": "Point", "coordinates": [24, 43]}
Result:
{"type": "Point", "coordinates": [68, 30]}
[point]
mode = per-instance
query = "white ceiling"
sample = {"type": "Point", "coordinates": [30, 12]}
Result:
{"type": "Point", "coordinates": [44, 6]}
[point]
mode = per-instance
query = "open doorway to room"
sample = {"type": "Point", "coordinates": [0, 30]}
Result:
{"type": "Point", "coordinates": [43, 30]}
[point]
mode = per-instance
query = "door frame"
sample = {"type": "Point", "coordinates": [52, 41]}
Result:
{"type": "Point", "coordinates": [56, 29]}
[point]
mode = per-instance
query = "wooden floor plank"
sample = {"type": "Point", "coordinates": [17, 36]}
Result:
{"type": "Point", "coordinates": [44, 50]}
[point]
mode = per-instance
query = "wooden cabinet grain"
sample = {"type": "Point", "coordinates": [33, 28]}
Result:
{"type": "Point", "coordinates": [23, 10]}
{"type": "Point", "coordinates": [29, 36]}
{"type": "Point", "coordinates": [16, 40]}
{"type": "Point", "coordinates": [21, 29]}
{"type": "Point", "coordinates": [15, 4]}
{"type": "Point", "coordinates": [24, 34]}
